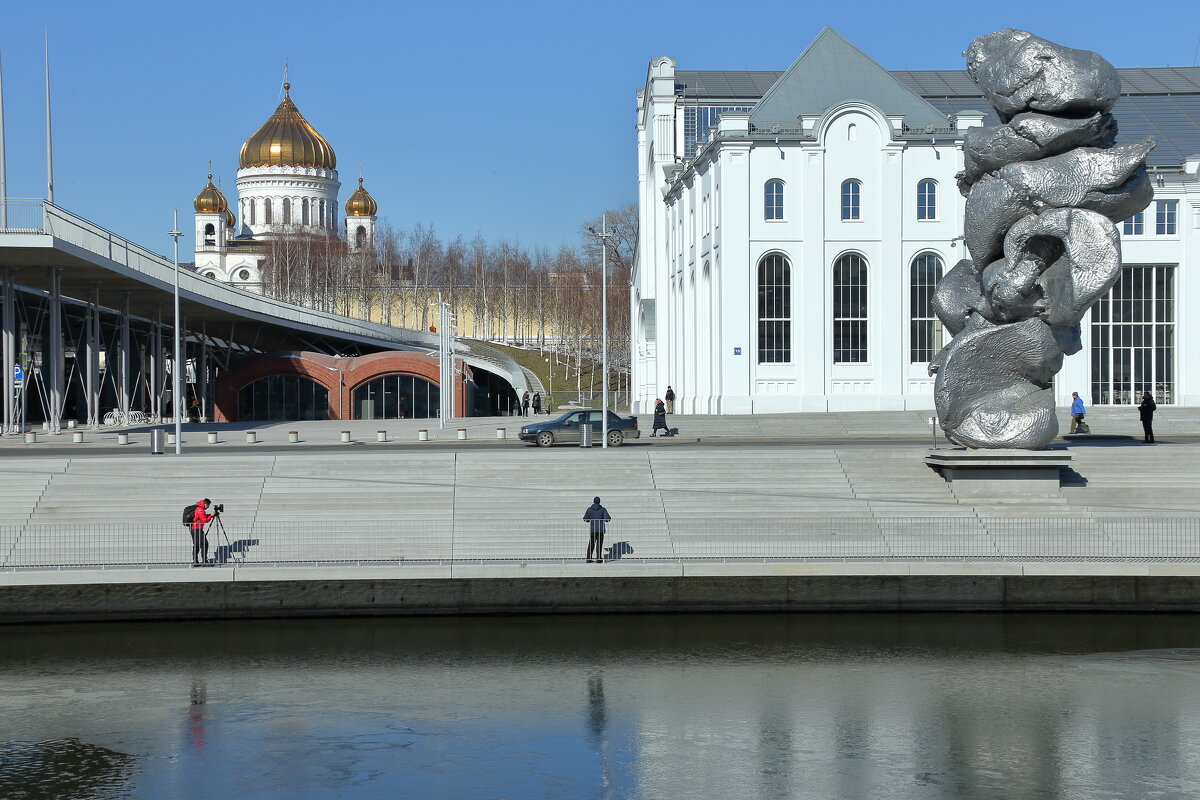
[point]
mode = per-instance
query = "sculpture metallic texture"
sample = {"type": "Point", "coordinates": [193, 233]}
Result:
{"type": "Point", "coordinates": [1043, 191]}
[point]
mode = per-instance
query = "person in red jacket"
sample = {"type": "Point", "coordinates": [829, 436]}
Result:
{"type": "Point", "coordinates": [199, 537]}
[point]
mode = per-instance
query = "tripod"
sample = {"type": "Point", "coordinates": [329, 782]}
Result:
{"type": "Point", "coordinates": [221, 527]}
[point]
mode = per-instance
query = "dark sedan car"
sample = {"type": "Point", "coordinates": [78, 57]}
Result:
{"type": "Point", "coordinates": [566, 428]}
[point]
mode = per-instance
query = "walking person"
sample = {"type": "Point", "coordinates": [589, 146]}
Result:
{"type": "Point", "coordinates": [199, 538]}
{"type": "Point", "coordinates": [660, 419]}
{"type": "Point", "coordinates": [1146, 412]}
{"type": "Point", "coordinates": [1077, 414]}
{"type": "Point", "coordinates": [525, 404]}
{"type": "Point", "coordinates": [537, 403]}
{"type": "Point", "coordinates": [596, 515]}
{"type": "Point", "coordinates": [670, 397]}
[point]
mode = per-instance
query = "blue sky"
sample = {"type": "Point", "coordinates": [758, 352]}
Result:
{"type": "Point", "coordinates": [510, 120]}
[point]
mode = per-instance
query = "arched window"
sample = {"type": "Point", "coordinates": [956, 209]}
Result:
{"type": "Point", "coordinates": [210, 234]}
{"type": "Point", "coordinates": [396, 396]}
{"type": "Point", "coordinates": [925, 330]}
{"type": "Point", "coordinates": [850, 309]}
{"type": "Point", "coordinates": [267, 211]}
{"type": "Point", "coordinates": [333, 215]}
{"type": "Point", "coordinates": [287, 211]}
{"type": "Point", "coordinates": [774, 309]}
{"type": "Point", "coordinates": [851, 200]}
{"type": "Point", "coordinates": [360, 236]}
{"type": "Point", "coordinates": [321, 215]}
{"type": "Point", "coordinates": [927, 199]}
{"type": "Point", "coordinates": [253, 214]}
{"type": "Point", "coordinates": [773, 200]}
{"type": "Point", "coordinates": [304, 211]}
{"type": "Point", "coordinates": [283, 398]}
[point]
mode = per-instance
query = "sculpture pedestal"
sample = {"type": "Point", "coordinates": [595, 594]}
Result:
{"type": "Point", "coordinates": [1001, 474]}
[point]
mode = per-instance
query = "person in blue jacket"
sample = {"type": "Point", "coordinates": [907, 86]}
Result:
{"type": "Point", "coordinates": [596, 515]}
{"type": "Point", "coordinates": [1077, 414]}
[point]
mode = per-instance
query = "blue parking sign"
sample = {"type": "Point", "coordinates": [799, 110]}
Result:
{"type": "Point", "coordinates": [18, 373]}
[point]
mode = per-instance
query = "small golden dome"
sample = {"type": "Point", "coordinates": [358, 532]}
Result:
{"type": "Point", "coordinates": [361, 204]}
{"type": "Point", "coordinates": [287, 140]}
{"type": "Point", "coordinates": [230, 220]}
{"type": "Point", "coordinates": [210, 200]}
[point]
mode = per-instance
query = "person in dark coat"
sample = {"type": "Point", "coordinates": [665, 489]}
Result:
{"type": "Point", "coordinates": [595, 516]}
{"type": "Point", "coordinates": [1146, 412]}
{"type": "Point", "coordinates": [537, 403]}
{"type": "Point", "coordinates": [525, 404]}
{"type": "Point", "coordinates": [670, 395]}
{"type": "Point", "coordinates": [660, 419]}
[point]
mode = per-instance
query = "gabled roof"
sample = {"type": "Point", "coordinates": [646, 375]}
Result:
{"type": "Point", "coordinates": [831, 71]}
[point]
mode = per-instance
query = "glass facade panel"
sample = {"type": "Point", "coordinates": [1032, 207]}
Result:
{"type": "Point", "coordinates": [850, 310]}
{"type": "Point", "coordinates": [925, 329]}
{"type": "Point", "coordinates": [698, 119]}
{"type": "Point", "coordinates": [396, 396]}
{"type": "Point", "coordinates": [283, 398]}
{"type": "Point", "coordinates": [851, 200]}
{"type": "Point", "coordinates": [927, 199]}
{"type": "Point", "coordinates": [773, 200]}
{"type": "Point", "coordinates": [774, 309]}
{"type": "Point", "coordinates": [1133, 337]}
{"type": "Point", "coordinates": [1165, 214]}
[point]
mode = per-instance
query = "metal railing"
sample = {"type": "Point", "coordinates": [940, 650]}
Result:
{"type": "Point", "coordinates": [700, 539]}
{"type": "Point", "coordinates": [22, 216]}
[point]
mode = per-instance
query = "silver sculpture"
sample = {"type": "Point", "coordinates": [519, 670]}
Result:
{"type": "Point", "coordinates": [1043, 191]}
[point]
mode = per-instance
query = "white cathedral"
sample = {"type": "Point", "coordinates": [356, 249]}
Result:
{"type": "Point", "coordinates": [792, 226]}
{"type": "Point", "coordinates": [287, 183]}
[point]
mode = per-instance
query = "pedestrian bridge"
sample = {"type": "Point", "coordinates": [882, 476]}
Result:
{"type": "Point", "coordinates": [90, 316]}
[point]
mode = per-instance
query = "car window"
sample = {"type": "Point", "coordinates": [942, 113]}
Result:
{"type": "Point", "coordinates": [594, 417]}
{"type": "Point", "coordinates": [572, 419]}
{"type": "Point", "coordinates": [613, 417]}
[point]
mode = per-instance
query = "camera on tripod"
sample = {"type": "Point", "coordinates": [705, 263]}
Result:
{"type": "Point", "coordinates": [218, 508]}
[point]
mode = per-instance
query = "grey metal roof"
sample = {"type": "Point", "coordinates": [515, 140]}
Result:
{"type": "Point", "coordinates": [1162, 102]}
{"type": "Point", "coordinates": [831, 71]}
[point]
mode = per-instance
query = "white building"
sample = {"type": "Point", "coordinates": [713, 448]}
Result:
{"type": "Point", "coordinates": [287, 182]}
{"type": "Point", "coordinates": [793, 225]}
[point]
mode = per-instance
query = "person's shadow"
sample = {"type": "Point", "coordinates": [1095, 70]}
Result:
{"type": "Point", "coordinates": [224, 553]}
{"type": "Point", "coordinates": [616, 550]}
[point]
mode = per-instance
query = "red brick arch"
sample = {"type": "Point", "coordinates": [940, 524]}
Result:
{"type": "Point", "coordinates": [340, 376]}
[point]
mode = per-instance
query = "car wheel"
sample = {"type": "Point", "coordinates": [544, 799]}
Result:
{"type": "Point", "coordinates": [545, 439]}
{"type": "Point", "coordinates": [615, 438]}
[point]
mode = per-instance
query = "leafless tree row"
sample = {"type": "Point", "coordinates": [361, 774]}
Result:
{"type": "Point", "coordinates": [498, 291]}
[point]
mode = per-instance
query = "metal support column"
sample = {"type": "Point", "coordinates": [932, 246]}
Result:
{"type": "Point", "coordinates": [125, 361]}
{"type": "Point", "coordinates": [155, 377]}
{"type": "Point", "coordinates": [8, 336]}
{"type": "Point", "coordinates": [202, 375]}
{"type": "Point", "coordinates": [92, 360]}
{"type": "Point", "coordinates": [53, 360]}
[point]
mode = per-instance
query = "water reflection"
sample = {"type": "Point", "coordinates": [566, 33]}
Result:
{"type": "Point", "coordinates": [838, 706]}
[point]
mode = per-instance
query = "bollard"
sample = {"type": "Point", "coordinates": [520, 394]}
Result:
{"type": "Point", "coordinates": [381, 436]}
{"type": "Point", "coordinates": [31, 437]}
{"type": "Point", "coordinates": [462, 433]}
{"type": "Point", "coordinates": [171, 437]}
{"type": "Point", "coordinates": [251, 437]}
{"type": "Point", "coordinates": [585, 435]}
{"type": "Point", "coordinates": [345, 437]}
{"type": "Point", "coordinates": [122, 438]}
{"type": "Point", "coordinates": [422, 435]}
{"type": "Point", "coordinates": [500, 433]}
{"type": "Point", "coordinates": [293, 437]}
{"type": "Point", "coordinates": [212, 437]}
{"type": "Point", "coordinates": [77, 437]}
{"type": "Point", "coordinates": [46, 426]}
{"type": "Point", "coordinates": [156, 441]}
{"type": "Point", "coordinates": [71, 423]}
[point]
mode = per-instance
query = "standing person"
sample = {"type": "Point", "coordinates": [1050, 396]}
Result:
{"type": "Point", "coordinates": [525, 404]}
{"type": "Point", "coordinates": [1146, 412]}
{"type": "Point", "coordinates": [596, 515]}
{"type": "Point", "coordinates": [537, 403]}
{"type": "Point", "coordinates": [549, 403]}
{"type": "Point", "coordinates": [1077, 414]}
{"type": "Point", "coordinates": [670, 396]}
{"type": "Point", "coordinates": [516, 406]}
{"type": "Point", "coordinates": [660, 419]}
{"type": "Point", "coordinates": [199, 538]}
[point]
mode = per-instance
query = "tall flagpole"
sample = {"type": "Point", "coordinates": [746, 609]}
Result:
{"type": "Point", "coordinates": [49, 138]}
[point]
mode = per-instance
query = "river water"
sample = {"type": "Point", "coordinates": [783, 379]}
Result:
{"type": "Point", "coordinates": [731, 706]}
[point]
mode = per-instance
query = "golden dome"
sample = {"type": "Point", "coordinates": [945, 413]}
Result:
{"type": "Point", "coordinates": [230, 220]}
{"type": "Point", "coordinates": [361, 204]}
{"type": "Point", "coordinates": [287, 140]}
{"type": "Point", "coordinates": [210, 200]}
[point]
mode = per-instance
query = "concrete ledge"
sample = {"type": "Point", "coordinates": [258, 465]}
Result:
{"type": "Point", "coordinates": [300, 592]}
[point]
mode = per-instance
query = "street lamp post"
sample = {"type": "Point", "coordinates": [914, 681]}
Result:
{"type": "Point", "coordinates": [550, 361]}
{"type": "Point", "coordinates": [177, 381]}
{"type": "Point", "coordinates": [603, 235]}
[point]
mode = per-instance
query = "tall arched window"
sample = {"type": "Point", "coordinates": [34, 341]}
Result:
{"type": "Point", "coordinates": [210, 234]}
{"type": "Point", "coordinates": [287, 211]}
{"type": "Point", "coordinates": [267, 211]}
{"type": "Point", "coordinates": [925, 330]}
{"type": "Point", "coordinates": [360, 236]}
{"type": "Point", "coordinates": [396, 396]}
{"type": "Point", "coordinates": [927, 199]}
{"type": "Point", "coordinates": [283, 398]}
{"type": "Point", "coordinates": [851, 200]}
{"type": "Point", "coordinates": [253, 213]}
{"type": "Point", "coordinates": [850, 309]}
{"type": "Point", "coordinates": [321, 214]}
{"type": "Point", "coordinates": [774, 309]}
{"type": "Point", "coordinates": [773, 200]}
{"type": "Point", "coordinates": [304, 211]}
